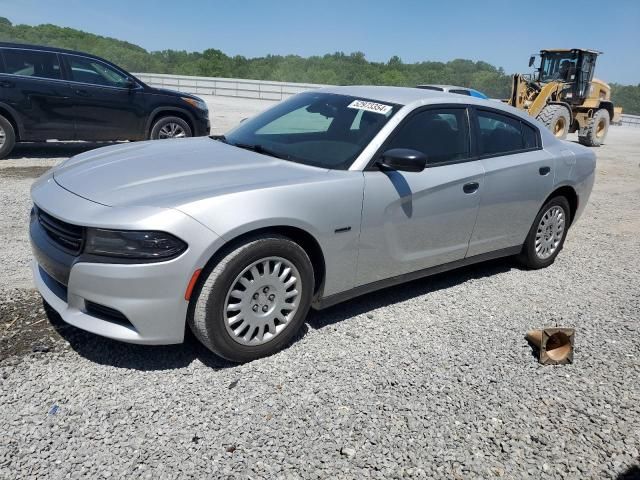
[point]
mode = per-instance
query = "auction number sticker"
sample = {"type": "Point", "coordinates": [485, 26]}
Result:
{"type": "Point", "coordinates": [371, 106]}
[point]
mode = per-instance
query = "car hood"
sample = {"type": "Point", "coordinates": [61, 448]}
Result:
{"type": "Point", "coordinates": [172, 93]}
{"type": "Point", "coordinates": [169, 173]}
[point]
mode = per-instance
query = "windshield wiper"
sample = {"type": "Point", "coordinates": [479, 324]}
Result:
{"type": "Point", "coordinates": [261, 149]}
{"type": "Point", "coordinates": [220, 138]}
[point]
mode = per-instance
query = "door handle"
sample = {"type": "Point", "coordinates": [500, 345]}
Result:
{"type": "Point", "coordinates": [470, 187]}
{"type": "Point", "coordinates": [545, 170]}
{"type": "Point", "coordinates": [6, 84]}
{"type": "Point", "coordinates": [83, 93]}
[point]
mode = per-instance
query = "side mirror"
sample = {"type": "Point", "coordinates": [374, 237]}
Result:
{"type": "Point", "coordinates": [403, 159]}
{"type": "Point", "coordinates": [532, 60]}
{"type": "Point", "coordinates": [130, 83]}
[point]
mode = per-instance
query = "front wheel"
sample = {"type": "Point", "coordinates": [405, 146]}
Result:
{"type": "Point", "coordinates": [170, 127]}
{"type": "Point", "coordinates": [547, 234]}
{"type": "Point", "coordinates": [254, 300]}
{"type": "Point", "coordinates": [556, 118]}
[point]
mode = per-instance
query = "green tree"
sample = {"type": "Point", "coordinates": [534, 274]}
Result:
{"type": "Point", "coordinates": [338, 68]}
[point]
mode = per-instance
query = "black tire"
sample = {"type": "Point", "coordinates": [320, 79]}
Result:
{"type": "Point", "coordinates": [7, 137]}
{"type": "Point", "coordinates": [206, 315]}
{"type": "Point", "coordinates": [529, 257]}
{"type": "Point", "coordinates": [166, 122]}
{"type": "Point", "coordinates": [557, 119]}
{"type": "Point", "coordinates": [597, 129]}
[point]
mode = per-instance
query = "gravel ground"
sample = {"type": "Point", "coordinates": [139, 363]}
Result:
{"type": "Point", "coordinates": [429, 380]}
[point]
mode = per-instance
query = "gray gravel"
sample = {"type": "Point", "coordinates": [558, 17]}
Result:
{"type": "Point", "coordinates": [429, 380]}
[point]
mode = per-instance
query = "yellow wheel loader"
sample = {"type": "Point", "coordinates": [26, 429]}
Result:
{"type": "Point", "coordinates": [563, 95]}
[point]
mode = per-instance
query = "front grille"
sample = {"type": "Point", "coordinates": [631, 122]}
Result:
{"type": "Point", "coordinates": [69, 237]}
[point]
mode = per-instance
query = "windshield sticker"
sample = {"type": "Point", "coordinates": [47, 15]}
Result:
{"type": "Point", "coordinates": [371, 106]}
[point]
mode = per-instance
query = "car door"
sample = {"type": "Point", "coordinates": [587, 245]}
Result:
{"type": "Point", "coordinates": [32, 87]}
{"type": "Point", "coordinates": [104, 105]}
{"type": "Point", "coordinates": [518, 177]}
{"type": "Point", "coordinates": [416, 220]}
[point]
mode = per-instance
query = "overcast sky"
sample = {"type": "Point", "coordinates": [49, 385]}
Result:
{"type": "Point", "coordinates": [497, 31]}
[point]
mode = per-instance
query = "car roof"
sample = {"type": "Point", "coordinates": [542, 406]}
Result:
{"type": "Point", "coordinates": [445, 87]}
{"type": "Point", "coordinates": [44, 48]}
{"type": "Point", "coordinates": [415, 97]}
{"type": "Point", "coordinates": [397, 95]}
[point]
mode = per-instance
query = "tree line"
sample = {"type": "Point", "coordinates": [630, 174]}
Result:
{"type": "Point", "coordinates": [337, 68]}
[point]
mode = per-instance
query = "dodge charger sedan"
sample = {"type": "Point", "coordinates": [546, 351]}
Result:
{"type": "Point", "coordinates": [328, 195]}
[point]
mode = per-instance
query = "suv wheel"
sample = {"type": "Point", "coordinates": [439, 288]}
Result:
{"type": "Point", "coordinates": [7, 137]}
{"type": "Point", "coordinates": [170, 127]}
{"type": "Point", "coordinates": [254, 300]}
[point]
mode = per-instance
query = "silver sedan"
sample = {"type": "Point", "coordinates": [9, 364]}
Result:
{"type": "Point", "coordinates": [328, 195]}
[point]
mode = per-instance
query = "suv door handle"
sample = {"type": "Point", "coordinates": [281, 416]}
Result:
{"type": "Point", "coordinates": [82, 93]}
{"type": "Point", "coordinates": [545, 170]}
{"type": "Point", "coordinates": [6, 84]}
{"type": "Point", "coordinates": [470, 187]}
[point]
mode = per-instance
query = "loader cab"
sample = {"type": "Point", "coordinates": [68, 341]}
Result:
{"type": "Point", "coordinates": [573, 67]}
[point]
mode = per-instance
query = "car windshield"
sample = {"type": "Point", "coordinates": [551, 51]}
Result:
{"type": "Point", "coordinates": [320, 129]}
{"type": "Point", "coordinates": [558, 66]}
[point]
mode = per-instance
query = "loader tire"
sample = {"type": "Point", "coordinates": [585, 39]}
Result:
{"type": "Point", "coordinates": [557, 119]}
{"type": "Point", "coordinates": [596, 130]}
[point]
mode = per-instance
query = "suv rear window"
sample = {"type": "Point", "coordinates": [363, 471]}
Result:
{"type": "Point", "coordinates": [31, 63]}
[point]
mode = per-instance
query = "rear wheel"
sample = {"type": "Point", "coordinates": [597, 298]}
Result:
{"type": "Point", "coordinates": [7, 137]}
{"type": "Point", "coordinates": [170, 127]}
{"type": "Point", "coordinates": [547, 234]}
{"type": "Point", "coordinates": [254, 300]}
{"type": "Point", "coordinates": [556, 118]}
{"type": "Point", "coordinates": [596, 130]}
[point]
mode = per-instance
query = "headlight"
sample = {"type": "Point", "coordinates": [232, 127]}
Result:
{"type": "Point", "coordinates": [134, 245]}
{"type": "Point", "coordinates": [196, 103]}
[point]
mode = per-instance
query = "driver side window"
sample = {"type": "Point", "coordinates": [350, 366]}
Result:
{"type": "Point", "coordinates": [441, 134]}
{"type": "Point", "coordinates": [87, 70]}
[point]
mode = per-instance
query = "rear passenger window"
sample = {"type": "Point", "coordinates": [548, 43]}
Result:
{"type": "Point", "coordinates": [31, 63]}
{"type": "Point", "coordinates": [502, 134]}
{"type": "Point", "coordinates": [440, 134]}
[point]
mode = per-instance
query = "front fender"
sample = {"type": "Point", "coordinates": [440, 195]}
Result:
{"type": "Point", "coordinates": [329, 210]}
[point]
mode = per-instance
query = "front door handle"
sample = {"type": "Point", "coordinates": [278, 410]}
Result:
{"type": "Point", "coordinates": [470, 187]}
{"type": "Point", "coordinates": [83, 93]}
{"type": "Point", "coordinates": [545, 170]}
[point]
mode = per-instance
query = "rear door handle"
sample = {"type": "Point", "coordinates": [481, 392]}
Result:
{"type": "Point", "coordinates": [470, 187]}
{"type": "Point", "coordinates": [83, 93]}
{"type": "Point", "coordinates": [545, 170]}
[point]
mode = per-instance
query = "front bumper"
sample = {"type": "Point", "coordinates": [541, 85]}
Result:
{"type": "Point", "coordinates": [132, 302]}
{"type": "Point", "coordinates": [202, 125]}
{"type": "Point", "coordinates": [152, 307]}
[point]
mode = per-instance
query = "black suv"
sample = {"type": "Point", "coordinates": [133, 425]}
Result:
{"type": "Point", "coordinates": [49, 93]}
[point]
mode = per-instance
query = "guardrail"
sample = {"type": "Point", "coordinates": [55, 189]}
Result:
{"type": "Point", "coordinates": [227, 87]}
{"type": "Point", "coordinates": [631, 120]}
{"type": "Point", "coordinates": [261, 89]}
